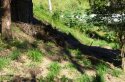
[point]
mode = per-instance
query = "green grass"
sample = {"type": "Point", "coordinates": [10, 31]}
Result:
{"type": "Point", "coordinates": [63, 5]}
{"type": "Point", "coordinates": [84, 78]}
{"type": "Point", "coordinates": [116, 72]}
{"type": "Point", "coordinates": [35, 55]}
{"type": "Point", "coordinates": [101, 70]}
{"type": "Point", "coordinates": [4, 62]}
{"type": "Point", "coordinates": [54, 70]}
{"type": "Point", "coordinates": [87, 62]}
{"type": "Point", "coordinates": [75, 51]}
{"type": "Point", "coordinates": [5, 78]}
{"type": "Point", "coordinates": [43, 15]}
{"type": "Point", "coordinates": [99, 77]}
{"type": "Point", "coordinates": [15, 54]}
{"type": "Point", "coordinates": [70, 65]}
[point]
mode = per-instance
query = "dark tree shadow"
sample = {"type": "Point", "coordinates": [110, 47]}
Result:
{"type": "Point", "coordinates": [0, 14]}
{"type": "Point", "coordinates": [68, 41]}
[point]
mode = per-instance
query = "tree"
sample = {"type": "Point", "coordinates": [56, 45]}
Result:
{"type": "Point", "coordinates": [6, 20]}
{"type": "Point", "coordinates": [104, 10]}
{"type": "Point", "coordinates": [18, 11]}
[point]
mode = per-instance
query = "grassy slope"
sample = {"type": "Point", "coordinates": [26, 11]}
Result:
{"type": "Point", "coordinates": [45, 59]}
{"type": "Point", "coordinates": [20, 57]}
{"type": "Point", "coordinates": [46, 16]}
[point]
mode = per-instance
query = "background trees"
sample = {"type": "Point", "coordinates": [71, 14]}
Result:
{"type": "Point", "coordinates": [111, 13]}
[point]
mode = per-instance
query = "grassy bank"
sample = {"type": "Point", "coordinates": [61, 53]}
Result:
{"type": "Point", "coordinates": [44, 15]}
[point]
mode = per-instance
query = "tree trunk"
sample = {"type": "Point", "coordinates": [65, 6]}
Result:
{"type": "Point", "coordinates": [123, 57]}
{"type": "Point", "coordinates": [6, 20]}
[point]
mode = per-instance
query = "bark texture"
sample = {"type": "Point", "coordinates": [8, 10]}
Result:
{"type": "Point", "coordinates": [17, 10]}
{"type": "Point", "coordinates": [6, 20]}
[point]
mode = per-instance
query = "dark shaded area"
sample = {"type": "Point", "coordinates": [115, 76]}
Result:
{"type": "Point", "coordinates": [22, 10]}
{"type": "Point", "coordinates": [47, 33]}
{"type": "Point", "coordinates": [104, 7]}
{"type": "Point", "coordinates": [74, 61]}
{"type": "Point", "coordinates": [0, 14]}
{"type": "Point", "coordinates": [106, 12]}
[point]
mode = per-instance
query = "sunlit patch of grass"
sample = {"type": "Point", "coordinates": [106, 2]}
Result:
{"type": "Point", "coordinates": [5, 78]}
{"type": "Point", "coordinates": [69, 65]}
{"type": "Point", "coordinates": [84, 78]}
{"type": "Point", "coordinates": [101, 69]}
{"type": "Point", "coordinates": [54, 70]}
{"type": "Point", "coordinates": [75, 51]}
{"type": "Point", "coordinates": [35, 55]}
{"type": "Point", "coordinates": [15, 54]}
{"type": "Point", "coordinates": [14, 28]}
{"type": "Point", "coordinates": [82, 37]}
{"type": "Point", "coordinates": [116, 72]}
{"type": "Point", "coordinates": [50, 44]}
{"type": "Point", "coordinates": [87, 62]}
{"type": "Point", "coordinates": [4, 62]}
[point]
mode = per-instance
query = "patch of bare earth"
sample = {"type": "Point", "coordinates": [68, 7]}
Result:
{"type": "Point", "coordinates": [110, 78]}
{"type": "Point", "coordinates": [5, 52]}
{"type": "Point", "coordinates": [44, 67]}
{"type": "Point", "coordinates": [21, 36]}
{"type": "Point", "coordinates": [68, 72]}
